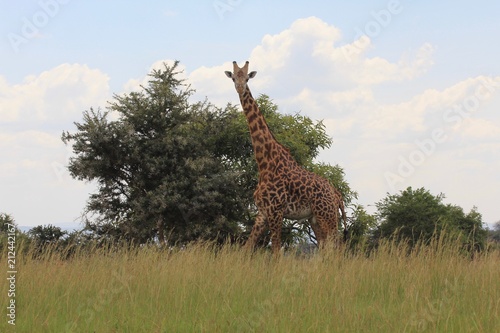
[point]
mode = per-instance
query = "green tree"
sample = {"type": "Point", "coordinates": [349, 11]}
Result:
{"type": "Point", "coordinates": [362, 225]}
{"type": "Point", "coordinates": [470, 226]}
{"type": "Point", "coordinates": [6, 223]}
{"type": "Point", "coordinates": [494, 234]}
{"type": "Point", "coordinates": [43, 235]}
{"type": "Point", "coordinates": [7, 227]}
{"type": "Point", "coordinates": [417, 215]}
{"type": "Point", "coordinates": [154, 166]}
{"type": "Point", "coordinates": [10, 234]}
{"type": "Point", "coordinates": [494, 237]}
{"type": "Point", "coordinates": [168, 168]}
{"type": "Point", "coordinates": [413, 214]}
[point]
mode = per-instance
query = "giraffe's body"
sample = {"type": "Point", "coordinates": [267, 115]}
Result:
{"type": "Point", "coordinates": [285, 189]}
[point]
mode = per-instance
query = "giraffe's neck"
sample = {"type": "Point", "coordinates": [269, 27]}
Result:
{"type": "Point", "coordinates": [265, 146]}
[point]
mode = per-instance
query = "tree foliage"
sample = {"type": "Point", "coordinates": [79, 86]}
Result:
{"type": "Point", "coordinates": [7, 226]}
{"type": "Point", "coordinates": [6, 223]}
{"type": "Point", "coordinates": [43, 235]}
{"type": "Point", "coordinates": [494, 234]}
{"type": "Point", "coordinates": [417, 215]}
{"type": "Point", "coordinates": [169, 168]}
{"type": "Point", "coordinates": [361, 228]}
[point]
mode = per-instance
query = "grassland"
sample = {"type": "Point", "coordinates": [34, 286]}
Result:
{"type": "Point", "coordinates": [199, 289]}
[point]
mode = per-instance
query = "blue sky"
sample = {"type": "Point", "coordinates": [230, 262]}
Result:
{"type": "Point", "coordinates": [409, 91]}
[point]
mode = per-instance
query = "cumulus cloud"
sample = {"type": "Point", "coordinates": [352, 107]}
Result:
{"type": "Point", "coordinates": [308, 36]}
{"type": "Point", "coordinates": [42, 106]}
{"type": "Point", "coordinates": [56, 95]}
{"type": "Point", "coordinates": [212, 83]}
{"type": "Point", "coordinates": [480, 129]}
{"type": "Point", "coordinates": [307, 66]}
{"type": "Point", "coordinates": [27, 151]}
{"type": "Point", "coordinates": [446, 109]}
{"type": "Point", "coordinates": [313, 46]}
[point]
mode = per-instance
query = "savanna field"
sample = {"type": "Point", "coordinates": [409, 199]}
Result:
{"type": "Point", "coordinates": [203, 288]}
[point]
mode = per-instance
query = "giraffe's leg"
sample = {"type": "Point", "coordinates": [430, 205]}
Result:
{"type": "Point", "coordinates": [257, 230]}
{"type": "Point", "coordinates": [327, 221]}
{"type": "Point", "coordinates": [326, 227]}
{"type": "Point", "coordinates": [325, 211]}
{"type": "Point", "coordinates": [318, 231]}
{"type": "Point", "coordinates": [275, 226]}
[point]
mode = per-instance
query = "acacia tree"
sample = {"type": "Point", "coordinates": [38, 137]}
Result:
{"type": "Point", "coordinates": [46, 234]}
{"type": "Point", "coordinates": [169, 167]}
{"type": "Point", "coordinates": [153, 166]}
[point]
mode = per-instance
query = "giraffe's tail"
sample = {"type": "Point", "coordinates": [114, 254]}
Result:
{"type": "Point", "coordinates": [344, 219]}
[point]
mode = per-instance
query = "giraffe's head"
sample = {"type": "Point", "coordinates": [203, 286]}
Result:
{"type": "Point", "coordinates": [240, 76]}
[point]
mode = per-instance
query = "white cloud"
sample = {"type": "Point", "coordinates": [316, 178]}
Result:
{"type": "Point", "coordinates": [56, 95]}
{"type": "Point", "coordinates": [308, 34]}
{"type": "Point", "coordinates": [212, 83]}
{"type": "Point", "coordinates": [305, 67]}
{"type": "Point", "coordinates": [309, 50]}
{"type": "Point", "coordinates": [446, 109]}
{"type": "Point", "coordinates": [30, 151]}
{"type": "Point", "coordinates": [480, 129]}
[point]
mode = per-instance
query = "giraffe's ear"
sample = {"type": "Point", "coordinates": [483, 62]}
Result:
{"type": "Point", "coordinates": [229, 74]}
{"type": "Point", "coordinates": [251, 75]}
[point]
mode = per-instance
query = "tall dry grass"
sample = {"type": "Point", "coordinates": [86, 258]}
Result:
{"type": "Point", "coordinates": [203, 288]}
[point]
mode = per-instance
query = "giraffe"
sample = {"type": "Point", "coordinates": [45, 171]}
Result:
{"type": "Point", "coordinates": [284, 189]}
